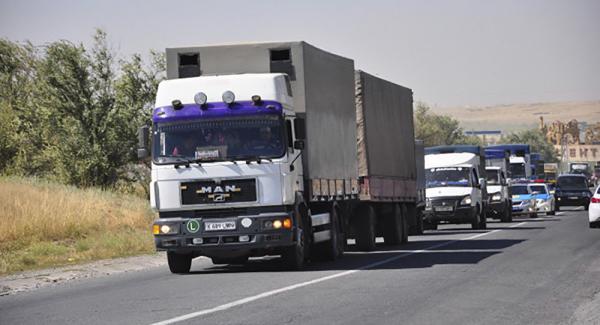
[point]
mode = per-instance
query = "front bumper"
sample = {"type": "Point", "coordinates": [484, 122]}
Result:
{"type": "Point", "coordinates": [253, 240]}
{"type": "Point", "coordinates": [458, 214]}
{"type": "Point", "coordinates": [572, 200]}
{"type": "Point", "coordinates": [496, 209]}
{"type": "Point", "coordinates": [522, 208]}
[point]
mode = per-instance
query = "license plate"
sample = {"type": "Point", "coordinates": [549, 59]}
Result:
{"type": "Point", "coordinates": [216, 226]}
{"type": "Point", "coordinates": [573, 197]}
{"type": "Point", "coordinates": [444, 208]}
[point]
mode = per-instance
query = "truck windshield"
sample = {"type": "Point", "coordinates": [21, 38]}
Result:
{"type": "Point", "coordinates": [517, 170]}
{"type": "Point", "coordinates": [492, 177]}
{"type": "Point", "coordinates": [447, 176]}
{"type": "Point", "coordinates": [222, 139]}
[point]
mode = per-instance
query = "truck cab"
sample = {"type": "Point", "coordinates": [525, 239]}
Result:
{"type": "Point", "coordinates": [225, 155]}
{"type": "Point", "coordinates": [520, 160]}
{"type": "Point", "coordinates": [454, 193]}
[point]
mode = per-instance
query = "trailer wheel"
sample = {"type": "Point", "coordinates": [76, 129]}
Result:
{"type": "Point", "coordinates": [404, 221]}
{"type": "Point", "coordinates": [418, 228]}
{"type": "Point", "coordinates": [179, 263]}
{"type": "Point", "coordinates": [393, 231]}
{"type": "Point", "coordinates": [365, 228]}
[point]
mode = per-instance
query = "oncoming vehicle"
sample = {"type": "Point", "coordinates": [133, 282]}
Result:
{"type": "Point", "coordinates": [499, 206]}
{"type": "Point", "coordinates": [572, 190]}
{"type": "Point", "coordinates": [544, 199]}
{"type": "Point", "coordinates": [594, 209]}
{"type": "Point", "coordinates": [523, 200]}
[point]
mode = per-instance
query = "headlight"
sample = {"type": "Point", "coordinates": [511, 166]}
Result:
{"type": "Point", "coordinates": [466, 200]}
{"type": "Point", "coordinates": [540, 201]}
{"type": "Point", "coordinates": [496, 197]}
{"type": "Point", "coordinates": [165, 229]}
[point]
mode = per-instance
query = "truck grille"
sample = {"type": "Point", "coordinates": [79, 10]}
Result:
{"type": "Point", "coordinates": [203, 192]}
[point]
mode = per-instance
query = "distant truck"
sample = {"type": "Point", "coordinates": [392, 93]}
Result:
{"type": "Point", "coordinates": [255, 152]}
{"type": "Point", "coordinates": [520, 160]}
{"type": "Point", "coordinates": [456, 187]}
{"type": "Point", "coordinates": [581, 168]}
{"type": "Point", "coordinates": [500, 201]}
{"type": "Point", "coordinates": [537, 166]}
{"type": "Point", "coordinates": [550, 172]}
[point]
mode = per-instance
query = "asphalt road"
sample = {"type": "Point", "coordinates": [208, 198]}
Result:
{"type": "Point", "coordinates": [531, 271]}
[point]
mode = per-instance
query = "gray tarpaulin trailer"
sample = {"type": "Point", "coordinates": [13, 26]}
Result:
{"type": "Point", "coordinates": [359, 157]}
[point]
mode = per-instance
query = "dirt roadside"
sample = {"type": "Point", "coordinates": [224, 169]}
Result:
{"type": "Point", "coordinates": [32, 280]}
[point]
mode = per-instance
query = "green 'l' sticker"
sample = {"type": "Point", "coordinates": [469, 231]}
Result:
{"type": "Point", "coordinates": [193, 226]}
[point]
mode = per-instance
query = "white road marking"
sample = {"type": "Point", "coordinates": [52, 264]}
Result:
{"type": "Point", "coordinates": [325, 278]}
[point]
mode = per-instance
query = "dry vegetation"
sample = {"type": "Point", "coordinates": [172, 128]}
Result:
{"type": "Point", "coordinates": [46, 224]}
{"type": "Point", "coordinates": [518, 117]}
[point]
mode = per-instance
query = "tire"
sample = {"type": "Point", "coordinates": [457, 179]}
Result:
{"type": "Point", "coordinates": [557, 208]}
{"type": "Point", "coordinates": [235, 260]}
{"type": "Point", "coordinates": [586, 207]}
{"type": "Point", "coordinates": [403, 209]}
{"type": "Point", "coordinates": [333, 248]}
{"type": "Point", "coordinates": [418, 228]}
{"type": "Point", "coordinates": [506, 215]}
{"type": "Point", "coordinates": [483, 220]}
{"type": "Point", "coordinates": [293, 257]}
{"type": "Point", "coordinates": [533, 215]}
{"type": "Point", "coordinates": [393, 230]}
{"type": "Point", "coordinates": [365, 228]}
{"type": "Point", "coordinates": [179, 263]}
{"type": "Point", "coordinates": [430, 226]}
{"type": "Point", "coordinates": [475, 222]}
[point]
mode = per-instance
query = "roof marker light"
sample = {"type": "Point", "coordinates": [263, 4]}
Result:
{"type": "Point", "coordinates": [228, 97]}
{"type": "Point", "coordinates": [256, 100]}
{"type": "Point", "coordinates": [200, 99]}
{"type": "Point", "coordinates": [177, 105]}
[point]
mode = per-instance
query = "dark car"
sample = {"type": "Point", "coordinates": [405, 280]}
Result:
{"type": "Point", "coordinates": [572, 190]}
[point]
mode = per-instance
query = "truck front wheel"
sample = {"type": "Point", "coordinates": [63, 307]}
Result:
{"type": "Point", "coordinates": [293, 257]}
{"type": "Point", "coordinates": [179, 263]}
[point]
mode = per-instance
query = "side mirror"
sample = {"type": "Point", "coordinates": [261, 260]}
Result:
{"type": "Point", "coordinates": [534, 193]}
{"type": "Point", "coordinates": [143, 137]}
{"type": "Point", "coordinates": [299, 144]}
{"type": "Point", "coordinates": [299, 128]}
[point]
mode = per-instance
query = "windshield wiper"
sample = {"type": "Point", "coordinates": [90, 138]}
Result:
{"type": "Point", "coordinates": [186, 163]}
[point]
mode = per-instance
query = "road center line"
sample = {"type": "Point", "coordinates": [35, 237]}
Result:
{"type": "Point", "coordinates": [322, 279]}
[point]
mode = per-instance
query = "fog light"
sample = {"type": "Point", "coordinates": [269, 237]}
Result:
{"type": "Point", "coordinates": [165, 229]}
{"type": "Point", "coordinates": [246, 222]}
{"type": "Point", "coordinates": [277, 224]}
{"type": "Point", "coordinates": [287, 223]}
{"type": "Point", "coordinates": [155, 229]}
{"type": "Point", "coordinates": [244, 238]}
{"type": "Point", "coordinates": [268, 224]}
{"type": "Point", "coordinates": [197, 241]}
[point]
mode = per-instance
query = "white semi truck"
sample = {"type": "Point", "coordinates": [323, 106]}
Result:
{"type": "Point", "coordinates": [456, 189]}
{"type": "Point", "coordinates": [277, 149]}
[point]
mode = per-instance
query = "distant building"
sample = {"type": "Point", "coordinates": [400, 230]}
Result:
{"type": "Point", "coordinates": [488, 137]}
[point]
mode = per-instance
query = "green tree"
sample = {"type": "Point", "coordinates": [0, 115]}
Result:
{"type": "Point", "coordinates": [537, 141]}
{"type": "Point", "coordinates": [435, 129]}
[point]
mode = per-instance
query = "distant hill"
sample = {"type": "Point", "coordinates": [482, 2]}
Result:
{"type": "Point", "coordinates": [509, 118]}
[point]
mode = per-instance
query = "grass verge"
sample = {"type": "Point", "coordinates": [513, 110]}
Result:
{"type": "Point", "coordinates": [44, 224]}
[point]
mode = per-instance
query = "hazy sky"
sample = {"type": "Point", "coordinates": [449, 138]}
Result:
{"type": "Point", "coordinates": [449, 52]}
